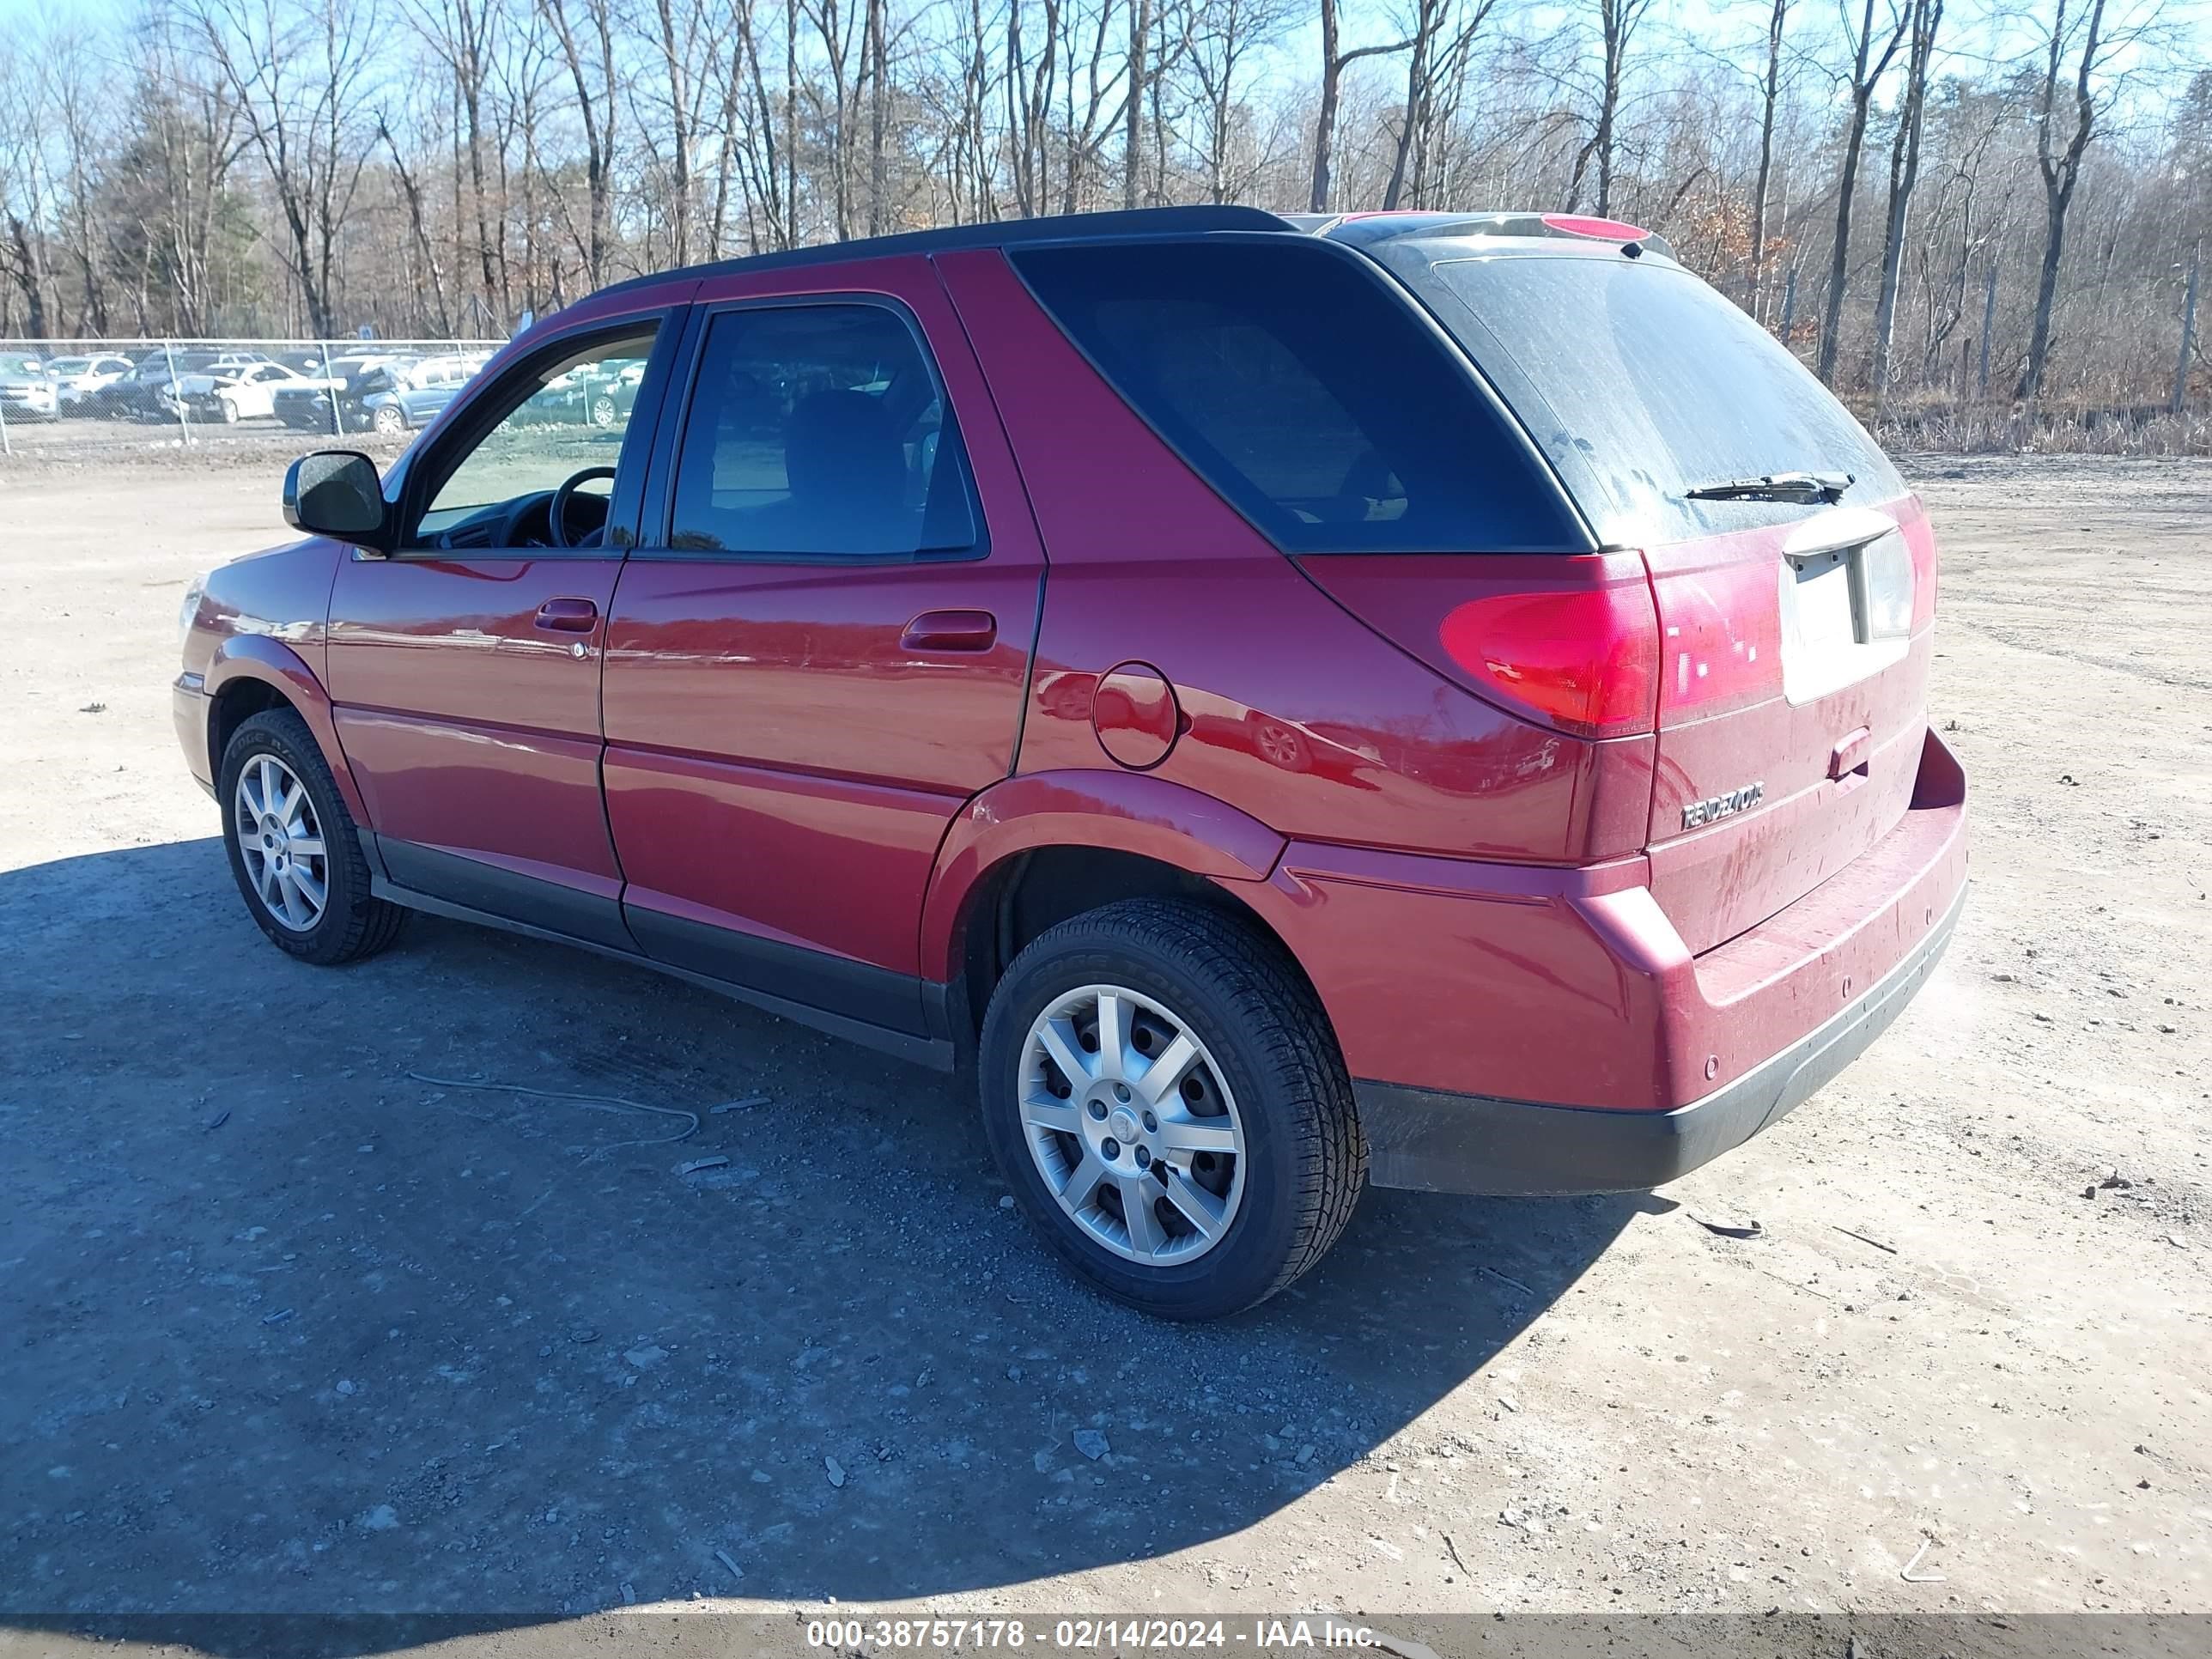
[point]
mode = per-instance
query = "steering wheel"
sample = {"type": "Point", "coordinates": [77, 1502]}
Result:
{"type": "Point", "coordinates": [556, 513]}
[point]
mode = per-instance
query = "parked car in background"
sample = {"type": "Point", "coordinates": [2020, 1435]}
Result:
{"type": "Point", "coordinates": [414, 395]}
{"type": "Point", "coordinates": [591, 395]}
{"type": "Point", "coordinates": [336, 399]}
{"type": "Point", "coordinates": [28, 392]}
{"type": "Point", "coordinates": [241, 393]}
{"type": "Point", "coordinates": [134, 395]}
{"type": "Point", "coordinates": [1281, 702]}
{"type": "Point", "coordinates": [83, 381]}
{"type": "Point", "coordinates": [150, 391]}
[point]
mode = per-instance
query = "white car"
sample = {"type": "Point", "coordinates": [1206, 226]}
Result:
{"type": "Point", "coordinates": [241, 391]}
{"type": "Point", "coordinates": [79, 381]}
{"type": "Point", "coordinates": [25, 392]}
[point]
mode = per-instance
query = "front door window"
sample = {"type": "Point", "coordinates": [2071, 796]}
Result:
{"type": "Point", "coordinates": [555, 446]}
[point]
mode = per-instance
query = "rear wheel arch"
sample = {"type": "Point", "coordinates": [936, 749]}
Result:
{"type": "Point", "coordinates": [1024, 895]}
{"type": "Point", "coordinates": [1102, 809]}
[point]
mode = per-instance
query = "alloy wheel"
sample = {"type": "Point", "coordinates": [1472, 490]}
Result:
{"type": "Point", "coordinates": [281, 840]}
{"type": "Point", "coordinates": [1128, 1121]}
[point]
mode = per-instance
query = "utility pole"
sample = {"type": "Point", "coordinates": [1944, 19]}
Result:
{"type": "Point", "coordinates": [2188, 334]}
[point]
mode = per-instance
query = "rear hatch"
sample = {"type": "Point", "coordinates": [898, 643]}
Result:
{"type": "Point", "coordinates": [1793, 634]}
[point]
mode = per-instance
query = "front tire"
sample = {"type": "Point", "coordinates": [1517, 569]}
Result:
{"type": "Point", "coordinates": [294, 848]}
{"type": "Point", "coordinates": [1163, 1095]}
{"type": "Point", "coordinates": [390, 421]}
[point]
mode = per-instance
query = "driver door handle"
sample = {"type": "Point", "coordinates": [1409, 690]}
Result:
{"type": "Point", "coordinates": [568, 615]}
{"type": "Point", "coordinates": [951, 630]}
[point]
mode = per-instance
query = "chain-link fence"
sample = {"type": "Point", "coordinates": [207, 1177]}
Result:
{"type": "Point", "coordinates": [68, 395]}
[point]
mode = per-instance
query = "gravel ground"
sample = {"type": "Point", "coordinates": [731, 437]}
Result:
{"type": "Point", "coordinates": [290, 1329]}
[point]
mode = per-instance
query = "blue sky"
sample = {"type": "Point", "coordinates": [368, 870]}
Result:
{"type": "Point", "coordinates": [1977, 29]}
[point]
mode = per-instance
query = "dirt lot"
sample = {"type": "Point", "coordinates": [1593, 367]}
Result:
{"type": "Point", "coordinates": [283, 1329]}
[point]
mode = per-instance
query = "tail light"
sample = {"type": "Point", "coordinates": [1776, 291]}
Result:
{"type": "Point", "coordinates": [1920, 538]}
{"type": "Point", "coordinates": [1583, 659]}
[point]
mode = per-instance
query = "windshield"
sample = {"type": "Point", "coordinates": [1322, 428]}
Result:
{"type": "Point", "coordinates": [14, 364]}
{"type": "Point", "coordinates": [1641, 383]}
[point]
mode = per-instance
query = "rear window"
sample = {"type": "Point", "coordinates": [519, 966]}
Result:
{"type": "Point", "coordinates": [1315, 401]}
{"type": "Point", "coordinates": [1641, 382]}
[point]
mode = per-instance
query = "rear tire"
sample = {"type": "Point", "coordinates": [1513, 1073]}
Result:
{"type": "Point", "coordinates": [294, 848]}
{"type": "Point", "coordinates": [1254, 1077]}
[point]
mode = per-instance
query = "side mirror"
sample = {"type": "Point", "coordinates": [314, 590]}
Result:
{"type": "Point", "coordinates": [336, 492]}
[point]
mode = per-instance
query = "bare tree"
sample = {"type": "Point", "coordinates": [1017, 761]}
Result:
{"type": "Point", "coordinates": [410, 189]}
{"type": "Point", "coordinates": [880, 95]}
{"type": "Point", "coordinates": [1029, 83]}
{"type": "Point", "coordinates": [2079, 31]}
{"type": "Point", "coordinates": [1439, 59]}
{"type": "Point", "coordinates": [673, 108]}
{"type": "Point", "coordinates": [1777, 18]}
{"type": "Point", "coordinates": [1132, 110]}
{"type": "Point", "coordinates": [593, 80]}
{"type": "Point", "coordinates": [462, 35]}
{"type": "Point", "coordinates": [493, 156]}
{"type": "Point", "coordinates": [1903, 179]}
{"type": "Point", "coordinates": [1334, 60]}
{"type": "Point", "coordinates": [25, 177]}
{"type": "Point", "coordinates": [1872, 45]}
{"type": "Point", "coordinates": [1091, 101]}
{"type": "Point", "coordinates": [296, 70]}
{"type": "Point", "coordinates": [1616, 21]}
{"type": "Point", "coordinates": [1224, 35]}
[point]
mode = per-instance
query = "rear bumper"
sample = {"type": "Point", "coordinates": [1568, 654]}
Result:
{"type": "Point", "coordinates": [1472, 1144]}
{"type": "Point", "coordinates": [1514, 1029]}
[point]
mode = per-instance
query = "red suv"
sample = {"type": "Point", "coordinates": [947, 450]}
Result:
{"type": "Point", "coordinates": [1430, 699]}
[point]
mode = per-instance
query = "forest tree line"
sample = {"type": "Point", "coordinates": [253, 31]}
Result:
{"type": "Point", "coordinates": [1932, 199]}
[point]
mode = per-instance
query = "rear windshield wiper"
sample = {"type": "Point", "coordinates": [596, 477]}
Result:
{"type": "Point", "coordinates": [1827, 487]}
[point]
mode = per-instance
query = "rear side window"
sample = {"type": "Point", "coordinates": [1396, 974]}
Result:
{"type": "Point", "coordinates": [1641, 382]}
{"type": "Point", "coordinates": [1299, 388]}
{"type": "Point", "coordinates": [818, 430]}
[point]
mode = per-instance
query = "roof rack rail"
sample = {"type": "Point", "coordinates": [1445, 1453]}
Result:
{"type": "Point", "coordinates": [1057, 227]}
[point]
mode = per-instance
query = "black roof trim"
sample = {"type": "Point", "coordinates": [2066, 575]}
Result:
{"type": "Point", "coordinates": [1060, 227]}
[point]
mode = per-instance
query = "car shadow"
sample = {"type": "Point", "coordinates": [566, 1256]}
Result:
{"type": "Point", "coordinates": [297, 1331]}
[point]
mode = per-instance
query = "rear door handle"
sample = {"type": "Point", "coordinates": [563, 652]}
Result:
{"type": "Point", "coordinates": [568, 615]}
{"type": "Point", "coordinates": [951, 630]}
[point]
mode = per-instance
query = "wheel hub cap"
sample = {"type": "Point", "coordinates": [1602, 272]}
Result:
{"type": "Point", "coordinates": [1130, 1125]}
{"type": "Point", "coordinates": [280, 842]}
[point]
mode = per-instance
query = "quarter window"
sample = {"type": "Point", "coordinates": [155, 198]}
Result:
{"type": "Point", "coordinates": [1296, 384]}
{"type": "Point", "coordinates": [818, 430]}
